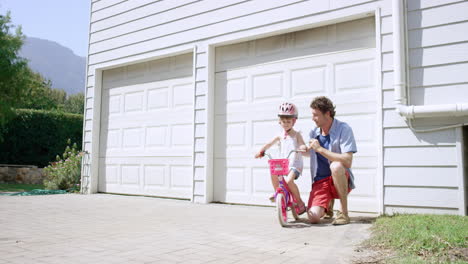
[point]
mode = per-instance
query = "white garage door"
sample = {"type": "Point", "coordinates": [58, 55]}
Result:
{"type": "Point", "coordinates": [253, 78]}
{"type": "Point", "coordinates": [146, 129]}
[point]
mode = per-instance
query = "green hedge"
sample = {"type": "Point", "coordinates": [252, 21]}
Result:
{"type": "Point", "coordinates": [36, 137]}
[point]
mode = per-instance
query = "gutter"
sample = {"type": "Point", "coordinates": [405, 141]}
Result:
{"type": "Point", "coordinates": [400, 76]}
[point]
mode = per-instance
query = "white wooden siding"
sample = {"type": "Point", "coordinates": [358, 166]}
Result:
{"type": "Point", "coordinates": [440, 35]}
{"type": "Point", "coordinates": [419, 176]}
{"type": "Point", "coordinates": [262, 13]}
{"type": "Point", "coordinates": [422, 197]}
{"type": "Point", "coordinates": [155, 16]}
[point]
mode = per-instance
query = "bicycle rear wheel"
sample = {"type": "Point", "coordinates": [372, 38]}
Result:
{"type": "Point", "coordinates": [281, 209]}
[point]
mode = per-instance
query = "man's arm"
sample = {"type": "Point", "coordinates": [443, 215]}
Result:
{"type": "Point", "coordinates": [345, 158]}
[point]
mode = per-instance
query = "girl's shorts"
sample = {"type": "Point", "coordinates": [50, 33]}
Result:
{"type": "Point", "coordinates": [297, 173]}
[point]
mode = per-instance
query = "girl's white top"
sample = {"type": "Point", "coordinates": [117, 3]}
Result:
{"type": "Point", "coordinates": [286, 145]}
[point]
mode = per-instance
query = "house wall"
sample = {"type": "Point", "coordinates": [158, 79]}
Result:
{"type": "Point", "coordinates": [422, 171]}
{"type": "Point", "coordinates": [123, 32]}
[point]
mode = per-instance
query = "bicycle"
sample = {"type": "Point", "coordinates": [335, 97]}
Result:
{"type": "Point", "coordinates": [284, 199]}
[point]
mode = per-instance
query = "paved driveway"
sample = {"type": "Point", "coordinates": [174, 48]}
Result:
{"type": "Point", "coordinates": [104, 228]}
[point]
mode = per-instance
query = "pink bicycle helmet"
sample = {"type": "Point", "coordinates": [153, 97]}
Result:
{"type": "Point", "coordinates": [287, 110]}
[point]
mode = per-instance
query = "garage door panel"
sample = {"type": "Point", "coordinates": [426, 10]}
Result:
{"type": "Point", "coordinates": [180, 177]}
{"type": "Point", "coordinates": [146, 152]}
{"type": "Point", "coordinates": [356, 109]}
{"type": "Point", "coordinates": [307, 81]}
{"type": "Point", "coordinates": [236, 90]}
{"type": "Point", "coordinates": [133, 101]}
{"type": "Point", "coordinates": [354, 75]}
{"type": "Point", "coordinates": [157, 136]}
{"type": "Point", "coordinates": [236, 135]}
{"type": "Point", "coordinates": [236, 180]}
{"type": "Point", "coordinates": [158, 98]}
{"type": "Point", "coordinates": [112, 173]}
{"type": "Point", "coordinates": [112, 140]}
{"type": "Point", "coordinates": [183, 95]}
{"type": "Point", "coordinates": [130, 174]}
{"type": "Point", "coordinates": [155, 176]}
{"type": "Point", "coordinates": [114, 104]}
{"type": "Point", "coordinates": [356, 99]}
{"type": "Point", "coordinates": [364, 162]}
{"type": "Point", "coordinates": [363, 125]}
{"type": "Point", "coordinates": [146, 175]}
{"type": "Point", "coordinates": [267, 86]}
{"type": "Point", "coordinates": [262, 131]}
{"type": "Point", "coordinates": [132, 137]}
{"type": "Point", "coordinates": [261, 181]}
{"type": "Point", "coordinates": [149, 118]}
{"type": "Point", "coordinates": [237, 112]}
{"type": "Point", "coordinates": [365, 179]}
{"type": "Point", "coordinates": [181, 135]}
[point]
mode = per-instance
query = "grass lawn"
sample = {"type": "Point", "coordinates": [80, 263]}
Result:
{"type": "Point", "coordinates": [15, 187]}
{"type": "Point", "coordinates": [421, 238]}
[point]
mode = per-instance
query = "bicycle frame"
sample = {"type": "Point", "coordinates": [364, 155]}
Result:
{"type": "Point", "coordinates": [284, 188]}
{"type": "Point", "coordinates": [281, 167]}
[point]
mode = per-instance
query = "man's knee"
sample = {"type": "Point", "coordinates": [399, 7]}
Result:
{"type": "Point", "coordinates": [337, 168]}
{"type": "Point", "coordinates": [314, 214]}
{"type": "Point", "coordinates": [314, 219]}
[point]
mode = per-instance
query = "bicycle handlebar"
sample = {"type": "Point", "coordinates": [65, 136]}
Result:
{"type": "Point", "coordinates": [290, 152]}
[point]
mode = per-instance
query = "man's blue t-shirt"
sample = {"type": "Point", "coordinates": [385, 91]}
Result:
{"type": "Point", "coordinates": [323, 166]}
{"type": "Point", "coordinates": [341, 141]}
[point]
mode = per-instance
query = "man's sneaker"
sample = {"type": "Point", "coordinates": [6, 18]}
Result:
{"type": "Point", "coordinates": [341, 219]}
{"type": "Point", "coordinates": [329, 213]}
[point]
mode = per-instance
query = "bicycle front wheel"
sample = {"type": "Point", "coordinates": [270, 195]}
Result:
{"type": "Point", "coordinates": [294, 212]}
{"type": "Point", "coordinates": [281, 209]}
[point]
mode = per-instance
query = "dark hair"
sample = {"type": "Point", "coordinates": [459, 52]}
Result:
{"type": "Point", "coordinates": [323, 104]}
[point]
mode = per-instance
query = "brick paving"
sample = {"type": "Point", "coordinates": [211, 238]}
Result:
{"type": "Point", "coordinates": [104, 228]}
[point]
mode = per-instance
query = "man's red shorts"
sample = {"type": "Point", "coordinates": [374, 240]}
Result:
{"type": "Point", "coordinates": [323, 191]}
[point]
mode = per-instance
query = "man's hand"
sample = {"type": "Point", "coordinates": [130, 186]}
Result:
{"type": "Point", "coordinates": [314, 144]}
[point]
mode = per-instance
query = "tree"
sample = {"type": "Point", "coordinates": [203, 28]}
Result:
{"type": "Point", "coordinates": [14, 71]}
{"type": "Point", "coordinates": [75, 104]}
{"type": "Point", "coordinates": [59, 97]}
{"type": "Point", "coordinates": [37, 93]}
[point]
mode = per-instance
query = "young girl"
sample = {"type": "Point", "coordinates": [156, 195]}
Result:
{"type": "Point", "coordinates": [289, 140]}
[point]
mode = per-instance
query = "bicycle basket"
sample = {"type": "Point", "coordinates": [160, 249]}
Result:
{"type": "Point", "coordinates": [279, 166]}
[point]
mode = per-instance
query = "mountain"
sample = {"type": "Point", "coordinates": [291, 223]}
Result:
{"type": "Point", "coordinates": [57, 63]}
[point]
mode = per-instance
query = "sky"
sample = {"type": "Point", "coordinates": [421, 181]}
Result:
{"type": "Point", "coordinates": [63, 21]}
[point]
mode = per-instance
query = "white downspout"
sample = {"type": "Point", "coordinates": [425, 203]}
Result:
{"type": "Point", "coordinates": [400, 76]}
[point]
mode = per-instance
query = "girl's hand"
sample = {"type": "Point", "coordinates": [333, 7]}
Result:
{"type": "Point", "coordinates": [260, 154]}
{"type": "Point", "coordinates": [302, 148]}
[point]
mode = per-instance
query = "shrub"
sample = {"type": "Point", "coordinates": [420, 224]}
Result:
{"type": "Point", "coordinates": [35, 137]}
{"type": "Point", "coordinates": [65, 173]}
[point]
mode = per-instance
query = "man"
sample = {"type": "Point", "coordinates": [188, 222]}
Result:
{"type": "Point", "coordinates": [331, 148]}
